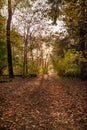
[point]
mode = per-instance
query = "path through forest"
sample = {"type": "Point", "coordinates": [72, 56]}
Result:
{"type": "Point", "coordinates": [43, 103]}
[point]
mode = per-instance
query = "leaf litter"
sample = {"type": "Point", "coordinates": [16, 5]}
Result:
{"type": "Point", "coordinates": [43, 103]}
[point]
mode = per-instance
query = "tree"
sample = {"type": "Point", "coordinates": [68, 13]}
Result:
{"type": "Point", "coordinates": [32, 27]}
{"type": "Point", "coordinates": [17, 51]}
{"type": "Point", "coordinates": [9, 51]}
{"type": "Point", "coordinates": [75, 15]}
{"type": "Point", "coordinates": [8, 34]}
{"type": "Point", "coordinates": [55, 9]}
{"type": "Point", "coordinates": [83, 38]}
{"type": "Point", "coordinates": [3, 54]}
{"type": "Point", "coordinates": [76, 21]}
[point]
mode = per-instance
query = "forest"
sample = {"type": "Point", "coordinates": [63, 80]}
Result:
{"type": "Point", "coordinates": [43, 64]}
{"type": "Point", "coordinates": [26, 37]}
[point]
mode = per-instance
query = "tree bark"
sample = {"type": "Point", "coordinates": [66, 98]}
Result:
{"type": "Point", "coordinates": [9, 51]}
{"type": "Point", "coordinates": [25, 69]}
{"type": "Point", "coordinates": [83, 67]}
{"type": "Point", "coordinates": [25, 59]}
{"type": "Point", "coordinates": [83, 40]}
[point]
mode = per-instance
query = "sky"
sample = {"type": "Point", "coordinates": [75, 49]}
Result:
{"type": "Point", "coordinates": [57, 28]}
{"type": "Point", "coordinates": [39, 5]}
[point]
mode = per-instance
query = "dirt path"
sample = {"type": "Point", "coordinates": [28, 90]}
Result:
{"type": "Point", "coordinates": [43, 103]}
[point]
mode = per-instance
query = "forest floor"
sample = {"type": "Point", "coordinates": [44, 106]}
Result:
{"type": "Point", "coordinates": [43, 103]}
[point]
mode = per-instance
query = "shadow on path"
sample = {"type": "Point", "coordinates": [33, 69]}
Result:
{"type": "Point", "coordinates": [43, 103]}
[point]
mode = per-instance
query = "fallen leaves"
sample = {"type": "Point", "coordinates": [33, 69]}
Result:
{"type": "Point", "coordinates": [43, 103]}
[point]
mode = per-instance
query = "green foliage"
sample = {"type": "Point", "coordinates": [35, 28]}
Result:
{"type": "Point", "coordinates": [17, 52]}
{"type": "Point", "coordinates": [3, 57]}
{"type": "Point", "coordinates": [62, 45]}
{"type": "Point", "coordinates": [33, 68]}
{"type": "Point", "coordinates": [3, 50]}
{"type": "Point", "coordinates": [69, 65]}
{"type": "Point", "coordinates": [40, 70]}
{"type": "Point", "coordinates": [75, 17]}
{"type": "Point", "coordinates": [16, 38]}
{"type": "Point", "coordinates": [2, 28]}
{"type": "Point", "coordinates": [50, 67]}
{"type": "Point", "coordinates": [18, 69]}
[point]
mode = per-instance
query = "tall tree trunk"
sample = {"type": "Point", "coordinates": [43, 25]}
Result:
{"type": "Point", "coordinates": [83, 40]}
{"type": "Point", "coordinates": [25, 69]}
{"type": "Point", "coordinates": [25, 59]}
{"type": "Point", "coordinates": [9, 51]}
{"type": "Point", "coordinates": [83, 66]}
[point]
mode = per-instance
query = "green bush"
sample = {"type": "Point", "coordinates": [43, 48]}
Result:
{"type": "Point", "coordinates": [33, 68]}
{"type": "Point", "coordinates": [3, 57]}
{"type": "Point", "coordinates": [69, 65]}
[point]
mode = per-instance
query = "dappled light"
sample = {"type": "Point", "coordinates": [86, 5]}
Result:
{"type": "Point", "coordinates": [43, 65]}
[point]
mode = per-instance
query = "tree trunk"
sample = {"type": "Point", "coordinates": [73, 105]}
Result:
{"type": "Point", "coordinates": [9, 51]}
{"type": "Point", "coordinates": [25, 60]}
{"type": "Point", "coordinates": [25, 69]}
{"type": "Point", "coordinates": [84, 62]}
{"type": "Point", "coordinates": [83, 66]}
{"type": "Point", "coordinates": [83, 40]}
